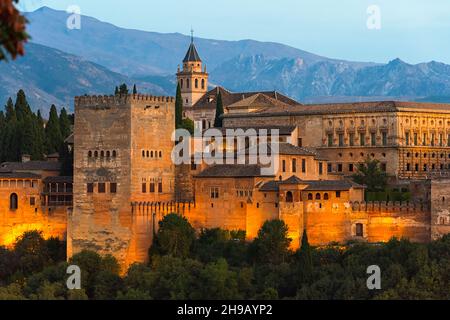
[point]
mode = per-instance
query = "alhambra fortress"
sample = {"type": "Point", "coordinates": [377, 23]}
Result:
{"type": "Point", "coordinates": [125, 180]}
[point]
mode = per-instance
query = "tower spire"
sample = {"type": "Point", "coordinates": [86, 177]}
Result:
{"type": "Point", "coordinates": [192, 35]}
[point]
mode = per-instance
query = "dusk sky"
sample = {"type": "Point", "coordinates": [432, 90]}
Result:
{"type": "Point", "coordinates": [413, 30]}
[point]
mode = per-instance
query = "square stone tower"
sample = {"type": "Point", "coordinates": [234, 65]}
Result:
{"type": "Point", "coordinates": [122, 154]}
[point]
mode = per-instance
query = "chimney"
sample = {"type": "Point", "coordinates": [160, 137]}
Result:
{"type": "Point", "coordinates": [26, 158]}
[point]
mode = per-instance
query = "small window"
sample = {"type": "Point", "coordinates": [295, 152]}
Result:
{"type": "Point", "coordinates": [338, 194]}
{"type": "Point", "coordinates": [310, 196]}
{"type": "Point", "coordinates": [143, 153]}
{"type": "Point", "coordinates": [152, 187]}
{"type": "Point", "coordinates": [32, 201]}
{"type": "Point", "coordinates": [108, 154]}
{"type": "Point", "coordinates": [90, 154]}
{"type": "Point", "coordinates": [325, 196]}
{"type": "Point", "coordinates": [160, 187]}
{"type": "Point", "coordinates": [289, 197]}
{"type": "Point", "coordinates": [294, 165]}
{"type": "Point", "coordinates": [90, 188]}
{"type": "Point", "coordinates": [359, 230]}
{"type": "Point", "coordinates": [144, 187]}
{"type": "Point", "coordinates": [113, 187]}
{"type": "Point", "coordinates": [96, 154]}
{"type": "Point", "coordinates": [102, 154]}
{"type": "Point", "coordinates": [101, 187]}
{"type": "Point", "coordinates": [318, 197]}
{"type": "Point", "coordinates": [160, 154]}
{"type": "Point", "coordinates": [214, 193]}
{"type": "Point", "coordinates": [13, 202]}
{"type": "Point", "coordinates": [114, 153]}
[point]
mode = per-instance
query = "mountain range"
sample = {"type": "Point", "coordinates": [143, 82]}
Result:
{"type": "Point", "coordinates": [61, 63]}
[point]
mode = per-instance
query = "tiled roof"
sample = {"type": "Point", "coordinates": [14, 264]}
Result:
{"type": "Point", "coordinates": [58, 179]}
{"type": "Point", "coordinates": [19, 175]}
{"type": "Point", "coordinates": [30, 166]}
{"type": "Point", "coordinates": [284, 148]}
{"type": "Point", "coordinates": [259, 100]}
{"type": "Point", "coordinates": [192, 54]}
{"type": "Point", "coordinates": [230, 171]}
{"type": "Point", "coordinates": [209, 99]}
{"type": "Point", "coordinates": [337, 108]}
{"type": "Point", "coordinates": [313, 185]}
{"type": "Point", "coordinates": [282, 130]}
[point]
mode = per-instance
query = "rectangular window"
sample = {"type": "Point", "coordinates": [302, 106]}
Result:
{"type": "Point", "coordinates": [160, 187]}
{"type": "Point", "coordinates": [373, 139]}
{"type": "Point", "coordinates": [350, 167]}
{"type": "Point", "coordinates": [362, 139]}
{"type": "Point", "coordinates": [384, 138]}
{"type": "Point", "coordinates": [294, 165]}
{"type": "Point", "coordinates": [283, 165]}
{"type": "Point", "coordinates": [341, 140]}
{"type": "Point", "coordinates": [320, 168]}
{"type": "Point", "coordinates": [304, 165]}
{"type": "Point", "coordinates": [113, 187]}
{"type": "Point", "coordinates": [339, 166]}
{"type": "Point", "coordinates": [330, 140]}
{"type": "Point", "coordinates": [407, 138]}
{"type": "Point", "coordinates": [448, 140]}
{"type": "Point", "coordinates": [408, 167]}
{"type": "Point", "coordinates": [416, 139]}
{"type": "Point", "coordinates": [214, 193]}
{"type": "Point", "coordinates": [351, 139]}
{"type": "Point", "coordinates": [338, 194]}
{"type": "Point", "coordinates": [32, 201]}
{"type": "Point", "coordinates": [300, 142]}
{"type": "Point", "coordinates": [144, 187]}
{"type": "Point", "coordinates": [101, 187]}
{"type": "Point", "coordinates": [330, 167]}
{"type": "Point", "coordinates": [432, 139]}
{"type": "Point", "coordinates": [90, 188]}
{"type": "Point", "coordinates": [424, 139]}
{"type": "Point", "coordinates": [441, 139]}
{"type": "Point", "coordinates": [384, 167]}
{"type": "Point", "coordinates": [152, 187]}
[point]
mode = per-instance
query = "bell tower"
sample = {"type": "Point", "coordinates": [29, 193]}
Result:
{"type": "Point", "coordinates": [193, 78]}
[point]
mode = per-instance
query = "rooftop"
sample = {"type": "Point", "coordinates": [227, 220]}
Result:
{"type": "Point", "coordinates": [231, 171]}
{"type": "Point", "coordinates": [313, 185]}
{"type": "Point", "coordinates": [30, 166]}
{"type": "Point", "coordinates": [192, 54]}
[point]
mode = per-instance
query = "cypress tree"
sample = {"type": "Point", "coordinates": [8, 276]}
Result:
{"type": "Point", "coordinates": [134, 89]}
{"type": "Point", "coordinates": [53, 136]}
{"type": "Point", "coordinates": [64, 123]}
{"type": "Point", "coordinates": [116, 91]}
{"type": "Point", "coordinates": [178, 108]}
{"type": "Point", "coordinates": [219, 112]}
{"type": "Point", "coordinates": [11, 140]}
{"type": "Point", "coordinates": [305, 259]}
{"type": "Point", "coordinates": [2, 134]}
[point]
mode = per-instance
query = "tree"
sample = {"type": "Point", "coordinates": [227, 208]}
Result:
{"type": "Point", "coordinates": [272, 243]}
{"type": "Point", "coordinates": [12, 30]}
{"type": "Point", "coordinates": [305, 259]}
{"type": "Point", "coordinates": [116, 91]}
{"type": "Point", "coordinates": [175, 237]}
{"type": "Point", "coordinates": [219, 111]}
{"type": "Point", "coordinates": [370, 174]}
{"type": "Point", "coordinates": [123, 89]}
{"type": "Point", "coordinates": [53, 136]}
{"type": "Point", "coordinates": [134, 89]}
{"type": "Point", "coordinates": [188, 124]}
{"type": "Point", "coordinates": [64, 123]}
{"type": "Point", "coordinates": [178, 108]}
{"type": "Point", "coordinates": [32, 251]}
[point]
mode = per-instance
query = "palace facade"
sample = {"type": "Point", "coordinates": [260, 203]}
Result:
{"type": "Point", "coordinates": [125, 179]}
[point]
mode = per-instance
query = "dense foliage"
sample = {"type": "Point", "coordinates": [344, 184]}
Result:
{"type": "Point", "coordinates": [369, 173]}
{"type": "Point", "coordinates": [218, 264]}
{"type": "Point", "coordinates": [25, 132]}
{"type": "Point", "coordinates": [12, 30]}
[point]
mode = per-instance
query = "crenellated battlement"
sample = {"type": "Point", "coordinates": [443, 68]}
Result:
{"type": "Point", "coordinates": [389, 206]}
{"type": "Point", "coordinates": [105, 101]}
{"type": "Point", "coordinates": [163, 207]}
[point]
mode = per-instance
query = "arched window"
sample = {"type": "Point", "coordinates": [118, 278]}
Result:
{"type": "Point", "coordinates": [196, 83]}
{"type": "Point", "coordinates": [187, 83]}
{"type": "Point", "coordinates": [203, 124]}
{"type": "Point", "coordinates": [359, 230]}
{"type": "Point", "coordinates": [151, 154]}
{"type": "Point", "coordinates": [318, 196]}
{"type": "Point", "coordinates": [160, 154]}
{"type": "Point", "coordinates": [203, 83]}
{"type": "Point", "coordinates": [114, 153]}
{"type": "Point", "coordinates": [90, 154]}
{"type": "Point", "coordinates": [181, 83]}
{"type": "Point", "coordinates": [148, 154]}
{"type": "Point", "coordinates": [143, 153]}
{"type": "Point", "coordinates": [289, 197]}
{"type": "Point", "coordinates": [13, 202]}
{"type": "Point", "coordinates": [310, 196]}
{"type": "Point", "coordinates": [325, 196]}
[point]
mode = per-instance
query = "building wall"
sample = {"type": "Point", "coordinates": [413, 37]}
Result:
{"type": "Point", "coordinates": [13, 223]}
{"type": "Point", "coordinates": [130, 126]}
{"type": "Point", "coordinates": [440, 207]}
